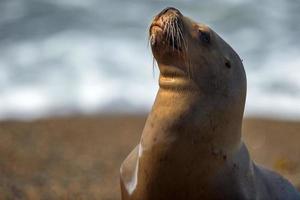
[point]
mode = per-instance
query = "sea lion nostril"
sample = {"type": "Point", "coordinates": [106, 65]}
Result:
{"type": "Point", "coordinates": [171, 8]}
{"type": "Point", "coordinates": [164, 11]}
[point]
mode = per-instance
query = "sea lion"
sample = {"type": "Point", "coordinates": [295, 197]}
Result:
{"type": "Point", "coordinates": [191, 145]}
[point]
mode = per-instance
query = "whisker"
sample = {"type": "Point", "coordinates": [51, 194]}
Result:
{"type": "Point", "coordinates": [184, 47]}
{"type": "Point", "coordinates": [178, 39]}
{"type": "Point", "coordinates": [149, 40]}
{"type": "Point", "coordinates": [172, 33]}
{"type": "Point", "coordinates": [175, 32]}
{"type": "Point", "coordinates": [166, 29]}
{"type": "Point", "coordinates": [154, 64]}
{"type": "Point", "coordinates": [182, 41]}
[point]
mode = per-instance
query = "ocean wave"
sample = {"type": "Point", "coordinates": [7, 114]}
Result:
{"type": "Point", "coordinates": [65, 57]}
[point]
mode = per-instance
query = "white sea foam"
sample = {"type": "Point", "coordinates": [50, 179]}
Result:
{"type": "Point", "coordinates": [274, 90]}
{"type": "Point", "coordinates": [87, 76]}
{"type": "Point", "coordinates": [61, 57]}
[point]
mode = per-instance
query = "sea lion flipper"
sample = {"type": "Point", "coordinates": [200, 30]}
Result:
{"type": "Point", "coordinates": [128, 172]}
{"type": "Point", "coordinates": [277, 185]}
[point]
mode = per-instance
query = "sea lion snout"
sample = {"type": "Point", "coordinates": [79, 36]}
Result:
{"type": "Point", "coordinates": [166, 34]}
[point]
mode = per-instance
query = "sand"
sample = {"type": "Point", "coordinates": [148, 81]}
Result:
{"type": "Point", "coordinates": [79, 157]}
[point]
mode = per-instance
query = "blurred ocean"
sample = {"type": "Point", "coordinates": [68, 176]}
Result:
{"type": "Point", "coordinates": [61, 57]}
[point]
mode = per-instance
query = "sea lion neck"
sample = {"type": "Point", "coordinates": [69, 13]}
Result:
{"type": "Point", "coordinates": [185, 109]}
{"type": "Point", "coordinates": [191, 117]}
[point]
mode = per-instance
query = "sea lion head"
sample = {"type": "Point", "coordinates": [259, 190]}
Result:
{"type": "Point", "coordinates": [197, 64]}
{"type": "Point", "coordinates": [184, 47]}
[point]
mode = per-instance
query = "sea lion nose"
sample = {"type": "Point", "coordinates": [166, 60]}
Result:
{"type": "Point", "coordinates": [169, 9]}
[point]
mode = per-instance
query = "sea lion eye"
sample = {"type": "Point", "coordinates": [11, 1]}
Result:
{"type": "Point", "coordinates": [204, 36]}
{"type": "Point", "coordinates": [228, 64]}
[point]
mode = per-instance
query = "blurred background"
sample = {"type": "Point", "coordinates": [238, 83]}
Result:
{"type": "Point", "coordinates": [60, 57]}
{"type": "Point", "coordinates": [81, 72]}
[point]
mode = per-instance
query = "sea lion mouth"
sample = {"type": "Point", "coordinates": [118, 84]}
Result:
{"type": "Point", "coordinates": [166, 31]}
{"type": "Point", "coordinates": [174, 78]}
